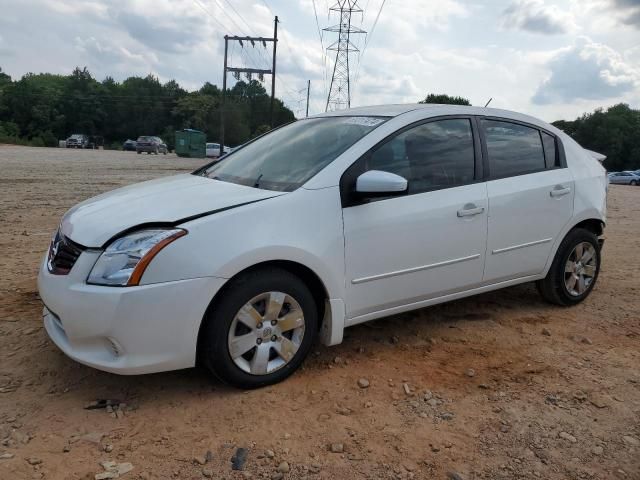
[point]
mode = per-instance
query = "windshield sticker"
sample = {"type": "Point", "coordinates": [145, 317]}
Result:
{"type": "Point", "coordinates": [365, 121]}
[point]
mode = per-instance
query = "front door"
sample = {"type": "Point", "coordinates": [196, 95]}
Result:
{"type": "Point", "coordinates": [430, 242]}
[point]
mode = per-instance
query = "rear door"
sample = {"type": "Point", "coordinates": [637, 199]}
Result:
{"type": "Point", "coordinates": [530, 192]}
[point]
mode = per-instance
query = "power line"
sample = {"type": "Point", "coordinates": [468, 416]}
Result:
{"type": "Point", "coordinates": [238, 14]}
{"type": "Point", "coordinates": [206, 10]}
{"type": "Point", "coordinates": [243, 53]}
{"type": "Point", "coordinates": [268, 7]}
{"type": "Point", "coordinates": [260, 53]}
{"type": "Point", "coordinates": [373, 28]}
{"type": "Point", "coordinates": [286, 44]}
{"type": "Point", "coordinates": [323, 54]}
{"type": "Point", "coordinates": [240, 29]}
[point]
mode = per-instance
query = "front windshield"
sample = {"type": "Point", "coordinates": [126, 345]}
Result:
{"type": "Point", "coordinates": [286, 158]}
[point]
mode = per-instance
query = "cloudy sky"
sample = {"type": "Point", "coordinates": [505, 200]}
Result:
{"type": "Point", "coordinates": [550, 58]}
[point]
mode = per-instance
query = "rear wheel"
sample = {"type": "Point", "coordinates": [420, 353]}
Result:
{"type": "Point", "coordinates": [634, 182]}
{"type": "Point", "coordinates": [574, 270]}
{"type": "Point", "coordinates": [260, 330]}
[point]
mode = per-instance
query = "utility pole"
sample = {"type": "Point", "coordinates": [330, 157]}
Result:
{"type": "Point", "coordinates": [248, 72]}
{"type": "Point", "coordinates": [340, 90]}
{"type": "Point", "coordinates": [224, 95]}
{"type": "Point", "coordinates": [308, 91]}
{"type": "Point", "coordinates": [273, 68]}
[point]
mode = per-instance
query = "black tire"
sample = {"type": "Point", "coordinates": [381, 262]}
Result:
{"type": "Point", "coordinates": [553, 287]}
{"type": "Point", "coordinates": [214, 347]}
{"type": "Point", "coordinates": [633, 182]}
{"type": "Point", "coordinates": [138, 152]}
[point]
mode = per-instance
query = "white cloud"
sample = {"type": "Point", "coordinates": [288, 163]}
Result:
{"type": "Point", "coordinates": [587, 71]}
{"type": "Point", "coordinates": [449, 46]}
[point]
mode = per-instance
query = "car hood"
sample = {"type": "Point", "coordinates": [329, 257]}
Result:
{"type": "Point", "coordinates": [169, 200]}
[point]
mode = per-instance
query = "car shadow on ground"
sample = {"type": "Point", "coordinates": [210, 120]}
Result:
{"type": "Point", "coordinates": [513, 304]}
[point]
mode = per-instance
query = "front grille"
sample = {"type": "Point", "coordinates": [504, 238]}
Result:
{"type": "Point", "coordinates": [63, 254]}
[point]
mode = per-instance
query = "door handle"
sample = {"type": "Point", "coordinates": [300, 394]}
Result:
{"type": "Point", "coordinates": [559, 191]}
{"type": "Point", "coordinates": [470, 210]}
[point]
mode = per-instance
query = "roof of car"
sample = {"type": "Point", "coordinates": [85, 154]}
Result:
{"type": "Point", "coordinates": [431, 109]}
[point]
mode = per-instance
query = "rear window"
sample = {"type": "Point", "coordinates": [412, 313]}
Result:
{"type": "Point", "coordinates": [513, 149]}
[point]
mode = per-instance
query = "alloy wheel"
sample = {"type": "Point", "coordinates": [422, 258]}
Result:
{"type": "Point", "coordinates": [266, 333]}
{"type": "Point", "coordinates": [580, 269]}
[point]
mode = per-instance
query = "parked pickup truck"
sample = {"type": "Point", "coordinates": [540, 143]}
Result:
{"type": "Point", "coordinates": [78, 140]}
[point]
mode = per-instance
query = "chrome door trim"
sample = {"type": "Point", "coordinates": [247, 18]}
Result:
{"type": "Point", "coordinates": [523, 245]}
{"type": "Point", "coordinates": [380, 276]}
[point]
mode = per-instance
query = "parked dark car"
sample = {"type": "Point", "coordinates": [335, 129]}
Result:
{"type": "Point", "coordinates": [151, 145]}
{"type": "Point", "coordinates": [78, 140]}
{"type": "Point", "coordinates": [129, 145]}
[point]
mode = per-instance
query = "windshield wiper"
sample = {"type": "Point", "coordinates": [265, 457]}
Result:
{"type": "Point", "coordinates": [257, 184]}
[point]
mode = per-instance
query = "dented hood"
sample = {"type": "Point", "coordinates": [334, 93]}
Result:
{"type": "Point", "coordinates": [170, 200]}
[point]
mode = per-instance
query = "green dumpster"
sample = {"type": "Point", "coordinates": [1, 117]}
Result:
{"type": "Point", "coordinates": [191, 143]}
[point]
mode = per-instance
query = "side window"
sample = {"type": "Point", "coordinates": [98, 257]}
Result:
{"type": "Point", "coordinates": [430, 156]}
{"type": "Point", "coordinates": [513, 149]}
{"type": "Point", "coordinates": [550, 151]}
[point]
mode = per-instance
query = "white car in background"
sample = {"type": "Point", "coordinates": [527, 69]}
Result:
{"type": "Point", "coordinates": [316, 226]}
{"type": "Point", "coordinates": [624, 178]}
{"type": "Point", "coordinates": [213, 150]}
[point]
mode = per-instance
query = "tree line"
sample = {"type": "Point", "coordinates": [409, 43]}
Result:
{"type": "Point", "coordinates": [40, 109]}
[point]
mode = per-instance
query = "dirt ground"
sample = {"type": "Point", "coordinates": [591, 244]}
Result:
{"type": "Point", "coordinates": [499, 386]}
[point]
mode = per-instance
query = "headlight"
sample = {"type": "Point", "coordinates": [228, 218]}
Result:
{"type": "Point", "coordinates": [125, 260]}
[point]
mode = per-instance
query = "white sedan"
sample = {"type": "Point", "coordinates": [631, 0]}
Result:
{"type": "Point", "coordinates": [624, 178]}
{"type": "Point", "coordinates": [326, 223]}
{"type": "Point", "coordinates": [213, 150]}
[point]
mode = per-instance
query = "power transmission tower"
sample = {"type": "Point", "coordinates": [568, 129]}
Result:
{"type": "Point", "coordinates": [249, 72]}
{"type": "Point", "coordinates": [340, 90]}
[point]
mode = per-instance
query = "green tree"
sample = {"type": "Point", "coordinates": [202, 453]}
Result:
{"type": "Point", "coordinates": [614, 132]}
{"type": "Point", "coordinates": [443, 98]}
{"type": "Point", "coordinates": [41, 108]}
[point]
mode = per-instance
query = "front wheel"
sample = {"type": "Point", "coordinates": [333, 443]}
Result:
{"type": "Point", "coordinates": [260, 329]}
{"type": "Point", "coordinates": [633, 182]}
{"type": "Point", "coordinates": [574, 270]}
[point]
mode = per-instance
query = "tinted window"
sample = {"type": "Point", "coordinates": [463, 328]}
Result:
{"type": "Point", "coordinates": [550, 152]}
{"type": "Point", "coordinates": [513, 149]}
{"type": "Point", "coordinates": [431, 156]}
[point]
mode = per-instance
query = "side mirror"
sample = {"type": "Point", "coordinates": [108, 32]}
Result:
{"type": "Point", "coordinates": [379, 183]}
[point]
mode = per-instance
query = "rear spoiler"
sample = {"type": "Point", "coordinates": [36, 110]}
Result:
{"type": "Point", "coordinates": [598, 156]}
